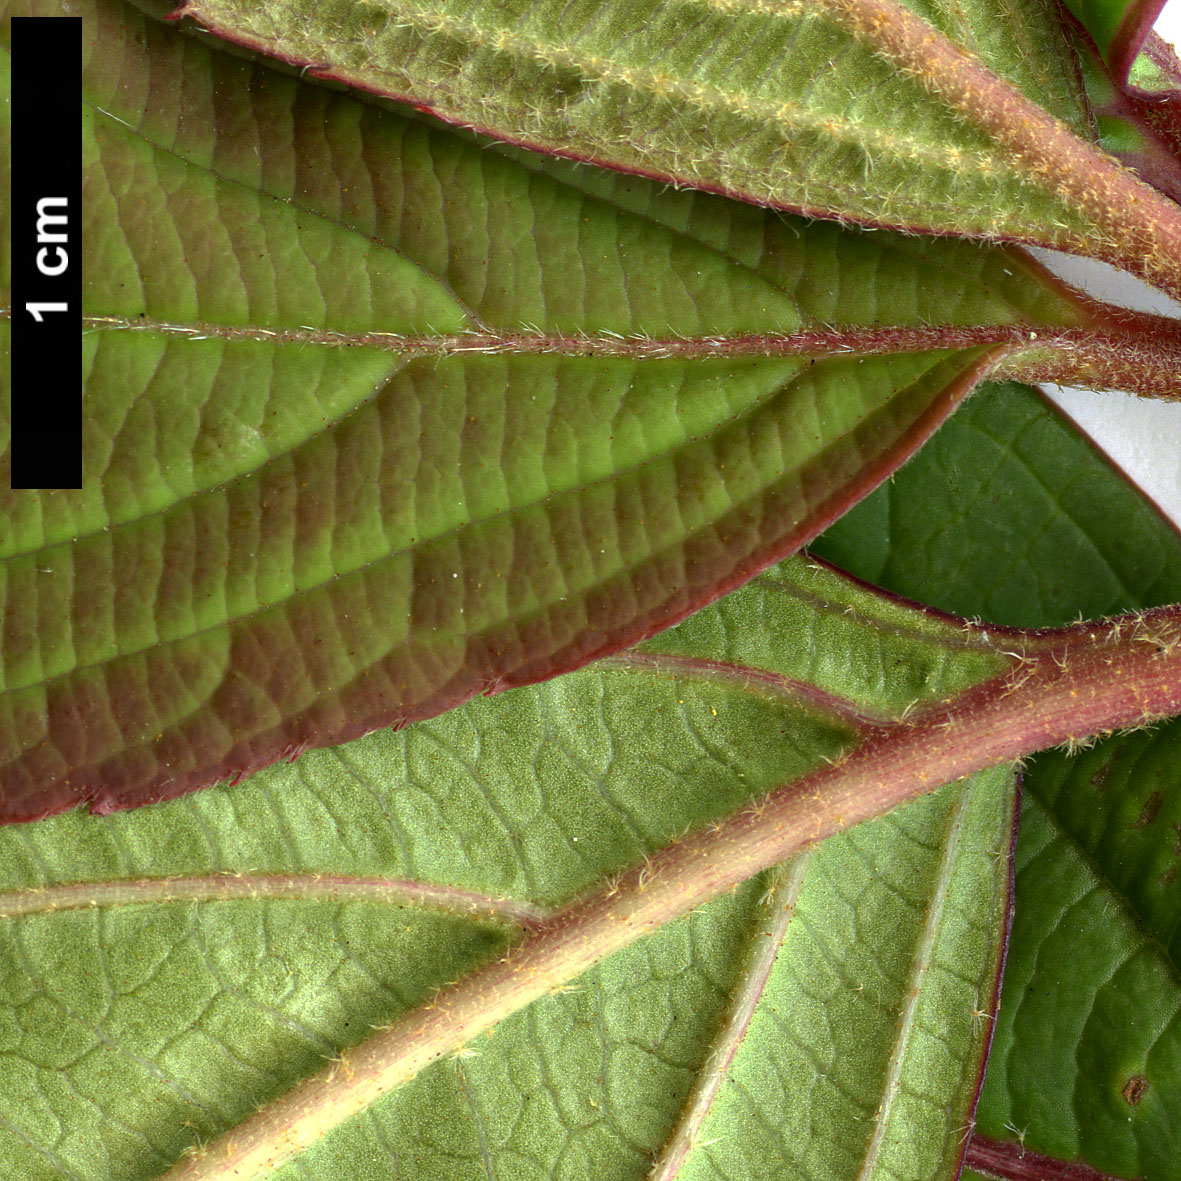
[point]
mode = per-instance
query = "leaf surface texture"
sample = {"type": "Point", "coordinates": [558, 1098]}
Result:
{"type": "Point", "coordinates": [1085, 1061]}
{"type": "Point", "coordinates": [202, 1007]}
{"type": "Point", "coordinates": [377, 420]}
{"type": "Point", "coordinates": [786, 103]}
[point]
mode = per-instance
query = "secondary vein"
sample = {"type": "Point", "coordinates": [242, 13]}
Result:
{"type": "Point", "coordinates": [308, 887]}
{"type": "Point", "coordinates": [763, 946]}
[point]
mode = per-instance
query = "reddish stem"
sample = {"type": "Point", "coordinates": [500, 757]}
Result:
{"type": "Point", "coordinates": [1115, 349]}
{"type": "Point", "coordinates": [1063, 686]}
{"type": "Point", "coordinates": [1014, 1162]}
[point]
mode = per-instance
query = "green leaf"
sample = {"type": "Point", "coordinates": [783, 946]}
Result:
{"type": "Point", "coordinates": [1043, 529]}
{"type": "Point", "coordinates": [965, 118]}
{"type": "Point", "coordinates": [1095, 963]}
{"type": "Point", "coordinates": [257, 946]}
{"type": "Point", "coordinates": [1156, 71]}
{"type": "Point", "coordinates": [244, 934]}
{"type": "Point", "coordinates": [164, 972]}
{"type": "Point", "coordinates": [800, 1092]}
{"type": "Point", "coordinates": [377, 420]}
{"type": "Point", "coordinates": [1010, 514]}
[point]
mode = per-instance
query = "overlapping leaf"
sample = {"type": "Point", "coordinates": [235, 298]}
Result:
{"type": "Point", "coordinates": [1094, 964]}
{"type": "Point", "coordinates": [953, 118]}
{"type": "Point", "coordinates": [216, 990]}
{"type": "Point", "coordinates": [1086, 1064]}
{"type": "Point", "coordinates": [377, 420]}
{"type": "Point", "coordinates": [782, 102]}
{"type": "Point", "coordinates": [244, 934]}
{"type": "Point", "coordinates": [1009, 514]}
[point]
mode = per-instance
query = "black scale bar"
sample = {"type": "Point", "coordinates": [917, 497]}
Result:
{"type": "Point", "coordinates": [46, 212]}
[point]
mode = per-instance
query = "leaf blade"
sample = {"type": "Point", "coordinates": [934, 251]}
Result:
{"type": "Point", "coordinates": [802, 107]}
{"type": "Point", "coordinates": [456, 520]}
{"type": "Point", "coordinates": [893, 1127]}
{"type": "Point", "coordinates": [841, 613]}
{"type": "Point", "coordinates": [1114, 917]}
{"type": "Point", "coordinates": [1053, 548]}
{"type": "Point", "coordinates": [725, 746]}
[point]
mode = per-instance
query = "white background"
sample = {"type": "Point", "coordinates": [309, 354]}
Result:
{"type": "Point", "coordinates": [1141, 434]}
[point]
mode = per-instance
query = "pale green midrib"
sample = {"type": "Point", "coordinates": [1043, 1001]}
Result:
{"type": "Point", "coordinates": [843, 709]}
{"type": "Point", "coordinates": [963, 36]}
{"type": "Point", "coordinates": [277, 200]}
{"type": "Point", "coordinates": [421, 542]}
{"type": "Point", "coordinates": [707, 98]}
{"type": "Point", "coordinates": [1104, 883]}
{"type": "Point", "coordinates": [932, 923]}
{"type": "Point", "coordinates": [753, 679]}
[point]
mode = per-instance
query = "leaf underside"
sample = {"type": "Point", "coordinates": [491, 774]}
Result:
{"type": "Point", "coordinates": [1087, 1054]}
{"type": "Point", "coordinates": [787, 103]}
{"type": "Point", "coordinates": [1097, 890]}
{"type": "Point", "coordinates": [348, 463]}
{"type": "Point", "coordinates": [129, 1030]}
{"type": "Point", "coordinates": [203, 1009]}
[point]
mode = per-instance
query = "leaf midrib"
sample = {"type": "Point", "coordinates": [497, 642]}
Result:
{"type": "Point", "coordinates": [960, 638]}
{"type": "Point", "coordinates": [920, 966]}
{"type": "Point", "coordinates": [762, 952]}
{"type": "Point", "coordinates": [823, 341]}
{"type": "Point", "coordinates": [751, 679]}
